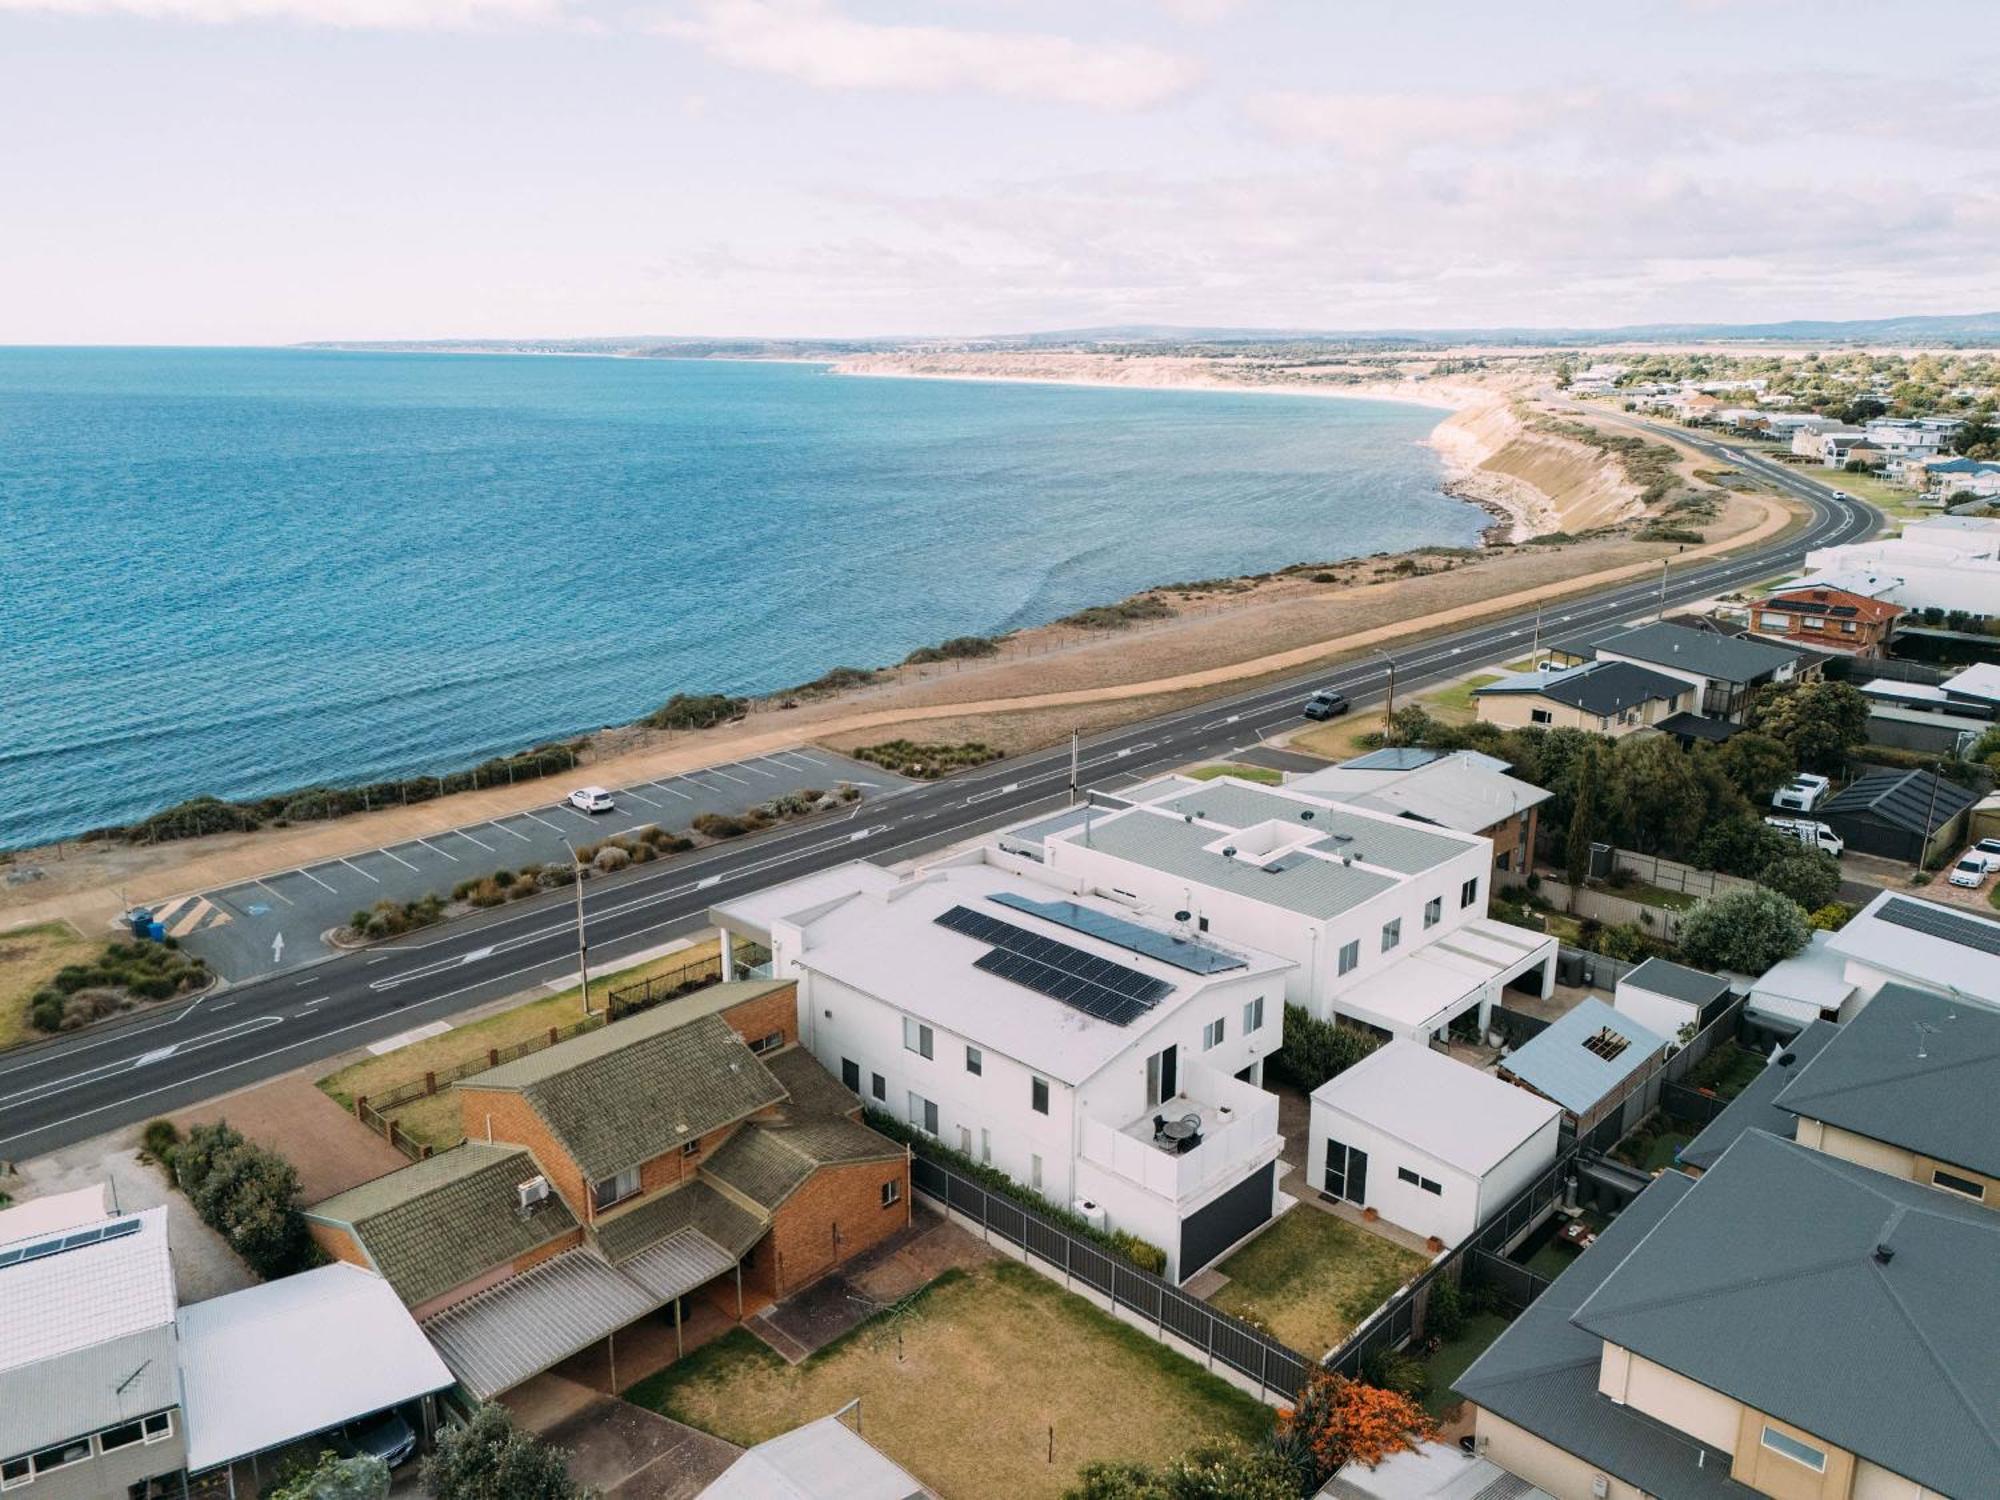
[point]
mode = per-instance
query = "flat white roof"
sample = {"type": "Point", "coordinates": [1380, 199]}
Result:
{"type": "Point", "coordinates": [1812, 977]}
{"type": "Point", "coordinates": [889, 945]}
{"type": "Point", "coordinates": [53, 1214]}
{"type": "Point", "coordinates": [823, 1460]}
{"type": "Point", "coordinates": [1444, 1108]}
{"type": "Point", "coordinates": [273, 1363]}
{"type": "Point", "coordinates": [1948, 948]}
{"type": "Point", "coordinates": [801, 898]}
{"type": "Point", "coordinates": [1421, 992]}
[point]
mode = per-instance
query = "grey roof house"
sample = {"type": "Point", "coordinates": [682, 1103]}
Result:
{"type": "Point", "coordinates": [1907, 815]}
{"type": "Point", "coordinates": [1727, 669]}
{"type": "Point", "coordinates": [1756, 1108]}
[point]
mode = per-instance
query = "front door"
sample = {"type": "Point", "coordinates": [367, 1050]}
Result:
{"type": "Point", "coordinates": [1162, 1076]}
{"type": "Point", "coordinates": [1346, 1172]}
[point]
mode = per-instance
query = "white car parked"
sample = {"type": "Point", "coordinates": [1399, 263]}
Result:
{"type": "Point", "coordinates": [1988, 850]}
{"type": "Point", "coordinates": [1969, 872]}
{"type": "Point", "coordinates": [591, 799]}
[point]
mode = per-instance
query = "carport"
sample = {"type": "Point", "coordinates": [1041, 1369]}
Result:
{"type": "Point", "coordinates": [273, 1365]}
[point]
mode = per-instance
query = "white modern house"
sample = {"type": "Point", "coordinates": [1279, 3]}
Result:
{"type": "Point", "coordinates": [1383, 918]}
{"type": "Point", "coordinates": [1107, 1061]}
{"type": "Point", "coordinates": [1899, 939]}
{"type": "Point", "coordinates": [1432, 1144]}
{"type": "Point", "coordinates": [1940, 562]}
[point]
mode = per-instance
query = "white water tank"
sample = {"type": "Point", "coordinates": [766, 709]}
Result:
{"type": "Point", "coordinates": [1091, 1213]}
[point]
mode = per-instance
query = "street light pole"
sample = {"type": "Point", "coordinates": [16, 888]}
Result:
{"type": "Point", "coordinates": [1663, 588]}
{"type": "Point", "coordinates": [1389, 709]}
{"type": "Point", "coordinates": [582, 948]}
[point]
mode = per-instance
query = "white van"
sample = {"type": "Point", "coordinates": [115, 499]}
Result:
{"type": "Point", "coordinates": [1802, 793]}
{"type": "Point", "coordinates": [1812, 835]}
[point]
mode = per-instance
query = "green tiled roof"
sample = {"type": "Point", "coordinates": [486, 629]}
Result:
{"type": "Point", "coordinates": [813, 1090]}
{"type": "Point", "coordinates": [695, 1206]}
{"type": "Point", "coordinates": [767, 1162]}
{"type": "Point", "coordinates": [439, 1223]}
{"type": "Point", "coordinates": [636, 1089]}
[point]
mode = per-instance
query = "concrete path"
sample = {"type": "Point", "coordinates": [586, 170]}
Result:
{"type": "Point", "coordinates": [621, 1451]}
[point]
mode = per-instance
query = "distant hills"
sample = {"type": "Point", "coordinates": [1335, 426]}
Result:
{"type": "Point", "coordinates": [1940, 330]}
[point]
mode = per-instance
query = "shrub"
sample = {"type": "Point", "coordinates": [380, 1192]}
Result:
{"type": "Point", "coordinates": [1399, 1373]}
{"type": "Point", "coordinates": [1745, 930]}
{"type": "Point", "coordinates": [724, 825]}
{"type": "Point", "coordinates": [958, 648]}
{"type": "Point", "coordinates": [1118, 616]}
{"type": "Point", "coordinates": [387, 918]}
{"type": "Point", "coordinates": [248, 1195]}
{"type": "Point", "coordinates": [487, 892]}
{"type": "Point", "coordinates": [924, 761]}
{"type": "Point", "coordinates": [1316, 1050]}
{"type": "Point", "coordinates": [126, 971]}
{"type": "Point", "coordinates": [835, 680]}
{"type": "Point", "coordinates": [160, 1138]}
{"type": "Point", "coordinates": [1444, 1311]}
{"type": "Point", "coordinates": [694, 711]}
{"type": "Point", "coordinates": [488, 1458]}
{"type": "Point", "coordinates": [611, 858]}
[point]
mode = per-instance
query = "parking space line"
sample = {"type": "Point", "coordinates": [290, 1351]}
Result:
{"type": "Point", "coordinates": [279, 894]}
{"type": "Point", "coordinates": [361, 872]}
{"type": "Point", "coordinates": [744, 765]}
{"type": "Point", "coordinates": [574, 812]}
{"type": "Point", "coordinates": [435, 850]}
{"type": "Point", "coordinates": [314, 879]}
{"type": "Point", "coordinates": [471, 840]}
{"type": "Point", "coordinates": [627, 791]}
{"type": "Point", "coordinates": [713, 771]}
{"type": "Point", "coordinates": [663, 787]}
{"type": "Point", "coordinates": [398, 858]}
{"type": "Point", "coordinates": [506, 830]}
{"type": "Point", "coordinates": [543, 821]}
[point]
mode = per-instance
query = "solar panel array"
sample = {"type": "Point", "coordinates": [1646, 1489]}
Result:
{"type": "Point", "coordinates": [1096, 986]}
{"type": "Point", "coordinates": [1935, 921]}
{"type": "Point", "coordinates": [117, 1229]}
{"type": "Point", "coordinates": [1182, 953]}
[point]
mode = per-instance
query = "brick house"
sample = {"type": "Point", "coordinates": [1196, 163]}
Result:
{"type": "Point", "coordinates": [692, 1151]}
{"type": "Point", "coordinates": [1828, 619]}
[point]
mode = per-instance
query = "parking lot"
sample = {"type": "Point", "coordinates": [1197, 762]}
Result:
{"type": "Point", "coordinates": [281, 921]}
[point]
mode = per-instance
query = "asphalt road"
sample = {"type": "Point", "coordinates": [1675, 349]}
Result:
{"type": "Point", "coordinates": [59, 1092]}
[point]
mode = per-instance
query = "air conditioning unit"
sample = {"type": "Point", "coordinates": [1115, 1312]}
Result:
{"type": "Point", "coordinates": [532, 1192]}
{"type": "Point", "coordinates": [1091, 1213]}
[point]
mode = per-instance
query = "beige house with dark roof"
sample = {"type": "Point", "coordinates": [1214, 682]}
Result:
{"type": "Point", "coordinates": [691, 1150]}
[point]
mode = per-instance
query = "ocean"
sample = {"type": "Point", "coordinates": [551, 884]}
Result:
{"type": "Point", "coordinates": [242, 571]}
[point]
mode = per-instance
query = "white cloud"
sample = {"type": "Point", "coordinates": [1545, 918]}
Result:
{"type": "Point", "coordinates": [397, 15]}
{"type": "Point", "coordinates": [811, 41]}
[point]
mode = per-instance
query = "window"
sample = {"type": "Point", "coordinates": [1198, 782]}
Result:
{"type": "Point", "coordinates": [1951, 1182]}
{"type": "Point", "coordinates": [1162, 1076]}
{"type": "Point", "coordinates": [985, 1146]}
{"type": "Point", "coordinates": [965, 1139]}
{"type": "Point", "coordinates": [1814, 622]}
{"type": "Point", "coordinates": [1766, 620]}
{"type": "Point", "coordinates": [1847, 627]}
{"type": "Point", "coordinates": [75, 1451]}
{"type": "Point", "coordinates": [603, 1194]}
{"type": "Point", "coordinates": [975, 1060]}
{"type": "Point", "coordinates": [879, 1087]}
{"type": "Point", "coordinates": [892, 1193]}
{"type": "Point", "coordinates": [850, 1075]}
{"type": "Point", "coordinates": [770, 1042]}
{"type": "Point", "coordinates": [1201, 923]}
{"type": "Point", "coordinates": [1792, 1448]}
{"type": "Point", "coordinates": [1350, 955]}
{"type": "Point", "coordinates": [1540, 716]}
{"type": "Point", "coordinates": [1035, 1173]}
{"type": "Point", "coordinates": [113, 1438]}
{"type": "Point", "coordinates": [15, 1472]}
{"type": "Point", "coordinates": [1212, 1034]}
{"type": "Point", "coordinates": [1433, 911]}
{"type": "Point", "coordinates": [1505, 861]}
{"type": "Point", "coordinates": [1253, 1016]}
{"type": "Point", "coordinates": [916, 1037]}
{"type": "Point", "coordinates": [691, 1148]}
{"type": "Point", "coordinates": [1038, 1095]}
{"type": "Point", "coordinates": [1392, 933]}
{"type": "Point", "coordinates": [1435, 1189]}
{"type": "Point", "coordinates": [1468, 893]}
{"type": "Point", "coordinates": [1404, 1174]}
{"type": "Point", "coordinates": [923, 1113]}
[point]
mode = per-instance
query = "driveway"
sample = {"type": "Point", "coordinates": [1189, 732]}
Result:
{"type": "Point", "coordinates": [329, 1148]}
{"type": "Point", "coordinates": [621, 1451]}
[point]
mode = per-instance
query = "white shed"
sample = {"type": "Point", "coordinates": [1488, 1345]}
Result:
{"type": "Point", "coordinates": [1668, 997]}
{"type": "Point", "coordinates": [1434, 1145]}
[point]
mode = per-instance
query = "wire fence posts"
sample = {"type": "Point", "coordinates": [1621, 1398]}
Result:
{"type": "Point", "coordinates": [630, 999]}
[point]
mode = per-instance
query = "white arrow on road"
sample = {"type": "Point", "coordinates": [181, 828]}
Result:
{"type": "Point", "coordinates": [277, 947]}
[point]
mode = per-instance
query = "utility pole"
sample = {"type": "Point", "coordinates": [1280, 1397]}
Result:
{"type": "Point", "coordinates": [1663, 588]}
{"type": "Point", "coordinates": [1930, 820]}
{"type": "Point", "coordinates": [582, 948]}
{"type": "Point", "coordinates": [1075, 752]}
{"type": "Point", "coordinates": [1535, 650]}
{"type": "Point", "coordinates": [1389, 709]}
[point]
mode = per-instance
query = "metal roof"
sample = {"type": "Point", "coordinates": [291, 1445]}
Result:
{"type": "Point", "coordinates": [823, 1460]}
{"type": "Point", "coordinates": [496, 1340]}
{"type": "Point", "coordinates": [1449, 1110]}
{"type": "Point", "coordinates": [1676, 982]}
{"type": "Point", "coordinates": [1913, 1069]}
{"type": "Point", "coordinates": [1381, 840]}
{"type": "Point", "coordinates": [1913, 800]}
{"type": "Point", "coordinates": [274, 1363]}
{"type": "Point", "coordinates": [1949, 949]}
{"type": "Point", "coordinates": [1767, 1282]}
{"type": "Point", "coordinates": [1433, 1471]}
{"type": "Point", "coordinates": [1726, 658]}
{"type": "Point", "coordinates": [1599, 687]}
{"type": "Point", "coordinates": [1557, 1064]}
{"type": "Point", "coordinates": [1756, 1107]}
{"type": "Point", "coordinates": [677, 1264]}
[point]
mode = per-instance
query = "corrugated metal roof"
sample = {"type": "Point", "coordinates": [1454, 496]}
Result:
{"type": "Point", "coordinates": [62, 1395]}
{"type": "Point", "coordinates": [496, 1340]}
{"type": "Point", "coordinates": [1557, 1064]}
{"type": "Point", "coordinates": [273, 1363]}
{"type": "Point", "coordinates": [823, 1460]}
{"type": "Point", "coordinates": [677, 1264]}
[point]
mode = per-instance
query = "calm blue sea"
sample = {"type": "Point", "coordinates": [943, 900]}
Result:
{"type": "Point", "coordinates": [240, 571]}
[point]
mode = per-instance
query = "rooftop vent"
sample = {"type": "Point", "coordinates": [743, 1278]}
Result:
{"type": "Point", "coordinates": [1884, 1253]}
{"type": "Point", "coordinates": [1786, 1059]}
{"type": "Point", "coordinates": [1229, 851]}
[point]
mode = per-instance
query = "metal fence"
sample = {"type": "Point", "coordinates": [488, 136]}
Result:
{"type": "Point", "coordinates": [630, 999]}
{"type": "Point", "coordinates": [1153, 1300]}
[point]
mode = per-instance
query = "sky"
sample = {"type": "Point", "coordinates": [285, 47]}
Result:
{"type": "Point", "coordinates": [270, 171]}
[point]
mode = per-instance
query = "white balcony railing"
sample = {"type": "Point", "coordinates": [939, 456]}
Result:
{"type": "Point", "coordinates": [1239, 1127]}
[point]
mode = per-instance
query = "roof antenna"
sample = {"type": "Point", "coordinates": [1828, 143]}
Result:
{"type": "Point", "coordinates": [1924, 1031]}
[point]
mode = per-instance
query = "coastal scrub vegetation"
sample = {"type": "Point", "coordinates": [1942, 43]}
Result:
{"type": "Point", "coordinates": [926, 761]}
{"type": "Point", "coordinates": [1118, 616]}
{"type": "Point", "coordinates": [206, 815]}
{"type": "Point", "coordinates": [695, 711]}
{"type": "Point", "coordinates": [388, 918]}
{"type": "Point", "coordinates": [958, 648]}
{"type": "Point", "coordinates": [246, 1193]}
{"type": "Point", "coordinates": [835, 680]}
{"type": "Point", "coordinates": [1651, 466]}
{"type": "Point", "coordinates": [122, 975]}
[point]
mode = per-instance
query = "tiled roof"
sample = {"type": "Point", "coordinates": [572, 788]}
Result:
{"type": "Point", "coordinates": [813, 1090]}
{"type": "Point", "coordinates": [695, 1205]}
{"type": "Point", "coordinates": [1913, 800]}
{"type": "Point", "coordinates": [438, 1223]}
{"type": "Point", "coordinates": [768, 1163]}
{"type": "Point", "coordinates": [637, 1089]}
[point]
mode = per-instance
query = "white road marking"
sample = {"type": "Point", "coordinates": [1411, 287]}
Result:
{"type": "Point", "coordinates": [543, 821]}
{"type": "Point", "coordinates": [90, 1075]}
{"type": "Point", "coordinates": [744, 765]}
{"type": "Point", "coordinates": [397, 857]}
{"type": "Point", "coordinates": [435, 850]}
{"type": "Point", "coordinates": [361, 872]}
{"type": "Point", "coordinates": [509, 832]}
{"type": "Point", "coordinates": [277, 947]}
{"type": "Point", "coordinates": [634, 792]}
{"type": "Point", "coordinates": [279, 894]}
{"type": "Point", "coordinates": [661, 786]}
{"type": "Point", "coordinates": [314, 879]}
{"type": "Point", "coordinates": [471, 840]}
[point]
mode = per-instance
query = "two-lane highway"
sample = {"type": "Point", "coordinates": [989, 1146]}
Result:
{"type": "Point", "coordinates": [62, 1091]}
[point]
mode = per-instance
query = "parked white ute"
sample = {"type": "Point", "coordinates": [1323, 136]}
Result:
{"type": "Point", "coordinates": [1802, 793]}
{"type": "Point", "coordinates": [1813, 835]}
{"type": "Point", "coordinates": [591, 799]}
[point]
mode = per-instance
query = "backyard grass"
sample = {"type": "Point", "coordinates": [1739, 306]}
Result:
{"type": "Point", "coordinates": [1340, 739]}
{"type": "Point", "coordinates": [1454, 702]}
{"type": "Point", "coordinates": [964, 1389]}
{"type": "Point", "coordinates": [1738, 1069]}
{"type": "Point", "coordinates": [475, 1039]}
{"type": "Point", "coordinates": [29, 958]}
{"type": "Point", "coordinates": [1310, 1278]}
{"type": "Point", "coordinates": [1261, 774]}
{"type": "Point", "coordinates": [1454, 1358]}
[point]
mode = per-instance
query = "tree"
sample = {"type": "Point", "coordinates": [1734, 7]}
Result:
{"type": "Point", "coordinates": [1656, 799]}
{"type": "Point", "coordinates": [363, 1477]}
{"type": "Point", "coordinates": [1316, 1050]}
{"type": "Point", "coordinates": [488, 1458]}
{"type": "Point", "coordinates": [1977, 437]}
{"type": "Point", "coordinates": [251, 1197]}
{"type": "Point", "coordinates": [1214, 1471]}
{"type": "Point", "coordinates": [1745, 930]}
{"type": "Point", "coordinates": [1582, 822]}
{"type": "Point", "coordinates": [1819, 722]}
{"type": "Point", "coordinates": [1339, 1421]}
{"type": "Point", "coordinates": [1810, 877]}
{"type": "Point", "coordinates": [195, 1156]}
{"type": "Point", "coordinates": [1741, 845]}
{"type": "Point", "coordinates": [1757, 764]}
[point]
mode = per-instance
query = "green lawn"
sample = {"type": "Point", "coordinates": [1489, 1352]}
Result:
{"type": "Point", "coordinates": [965, 1388]}
{"type": "Point", "coordinates": [1310, 1278]}
{"type": "Point", "coordinates": [1261, 774]}
{"type": "Point", "coordinates": [1456, 699]}
{"type": "Point", "coordinates": [1893, 498]}
{"type": "Point", "coordinates": [1453, 1358]}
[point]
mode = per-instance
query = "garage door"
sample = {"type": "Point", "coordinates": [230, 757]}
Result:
{"type": "Point", "coordinates": [1209, 1231]}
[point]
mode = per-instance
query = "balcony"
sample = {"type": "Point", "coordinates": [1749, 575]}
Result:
{"type": "Point", "coordinates": [1235, 1130]}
